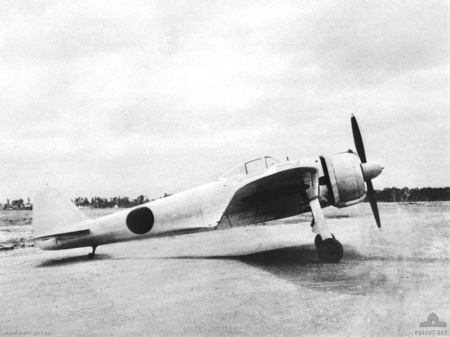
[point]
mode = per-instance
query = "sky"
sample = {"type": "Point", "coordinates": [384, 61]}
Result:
{"type": "Point", "coordinates": [118, 98]}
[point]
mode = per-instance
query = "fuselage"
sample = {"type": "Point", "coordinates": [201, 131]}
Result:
{"type": "Point", "coordinates": [197, 208]}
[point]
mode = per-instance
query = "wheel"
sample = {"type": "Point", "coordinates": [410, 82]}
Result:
{"type": "Point", "coordinates": [330, 251]}
{"type": "Point", "coordinates": [318, 241]}
{"type": "Point", "coordinates": [91, 255]}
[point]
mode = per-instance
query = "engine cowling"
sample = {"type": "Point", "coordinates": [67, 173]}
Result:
{"type": "Point", "coordinates": [344, 179]}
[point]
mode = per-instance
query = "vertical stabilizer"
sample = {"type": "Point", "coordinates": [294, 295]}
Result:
{"type": "Point", "coordinates": [54, 213]}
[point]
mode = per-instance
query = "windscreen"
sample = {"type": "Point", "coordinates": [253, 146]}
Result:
{"type": "Point", "coordinates": [255, 166]}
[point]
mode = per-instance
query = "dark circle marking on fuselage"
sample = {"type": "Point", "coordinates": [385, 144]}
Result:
{"type": "Point", "coordinates": [140, 220]}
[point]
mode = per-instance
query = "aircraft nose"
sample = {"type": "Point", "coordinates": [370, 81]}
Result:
{"type": "Point", "coordinates": [371, 171]}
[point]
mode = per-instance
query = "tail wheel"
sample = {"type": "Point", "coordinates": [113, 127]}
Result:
{"type": "Point", "coordinates": [330, 251]}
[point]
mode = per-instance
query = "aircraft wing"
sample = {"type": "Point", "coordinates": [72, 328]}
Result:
{"type": "Point", "coordinates": [272, 197]}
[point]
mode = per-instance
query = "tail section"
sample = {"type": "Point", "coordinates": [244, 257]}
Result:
{"type": "Point", "coordinates": [55, 215]}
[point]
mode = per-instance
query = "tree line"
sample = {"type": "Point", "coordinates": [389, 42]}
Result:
{"type": "Point", "coordinates": [405, 194]}
{"type": "Point", "coordinates": [95, 202]}
{"type": "Point", "coordinates": [120, 202]}
{"type": "Point", "coordinates": [17, 204]}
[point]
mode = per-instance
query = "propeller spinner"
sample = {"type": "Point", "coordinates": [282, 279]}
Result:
{"type": "Point", "coordinates": [370, 171]}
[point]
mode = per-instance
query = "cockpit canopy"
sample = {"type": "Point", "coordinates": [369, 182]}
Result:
{"type": "Point", "coordinates": [251, 167]}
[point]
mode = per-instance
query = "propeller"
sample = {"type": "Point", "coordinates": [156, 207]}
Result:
{"type": "Point", "coordinates": [370, 171]}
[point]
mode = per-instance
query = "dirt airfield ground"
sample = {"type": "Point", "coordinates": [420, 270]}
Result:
{"type": "Point", "coordinates": [257, 280]}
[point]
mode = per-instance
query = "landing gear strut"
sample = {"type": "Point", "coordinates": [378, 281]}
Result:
{"type": "Point", "coordinates": [91, 255]}
{"type": "Point", "coordinates": [329, 249]}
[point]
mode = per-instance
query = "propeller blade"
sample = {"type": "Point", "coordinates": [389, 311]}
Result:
{"type": "Point", "coordinates": [373, 202]}
{"type": "Point", "coordinates": [358, 140]}
{"type": "Point", "coordinates": [362, 155]}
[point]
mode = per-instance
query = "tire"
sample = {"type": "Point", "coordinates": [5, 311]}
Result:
{"type": "Point", "coordinates": [330, 251]}
{"type": "Point", "coordinates": [318, 241]}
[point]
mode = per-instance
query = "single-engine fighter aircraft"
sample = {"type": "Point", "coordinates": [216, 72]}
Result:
{"type": "Point", "coordinates": [260, 190]}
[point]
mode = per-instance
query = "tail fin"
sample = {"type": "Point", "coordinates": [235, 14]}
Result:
{"type": "Point", "coordinates": [53, 213]}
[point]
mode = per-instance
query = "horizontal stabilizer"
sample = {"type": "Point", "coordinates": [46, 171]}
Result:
{"type": "Point", "coordinates": [60, 235]}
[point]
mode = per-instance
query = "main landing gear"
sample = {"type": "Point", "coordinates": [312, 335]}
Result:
{"type": "Point", "coordinates": [329, 249]}
{"type": "Point", "coordinates": [91, 255]}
